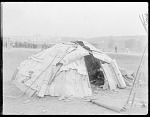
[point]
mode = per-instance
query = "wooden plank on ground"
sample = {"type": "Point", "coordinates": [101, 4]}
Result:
{"type": "Point", "coordinates": [107, 105]}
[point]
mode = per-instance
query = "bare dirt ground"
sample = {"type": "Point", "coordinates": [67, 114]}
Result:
{"type": "Point", "coordinates": [15, 105]}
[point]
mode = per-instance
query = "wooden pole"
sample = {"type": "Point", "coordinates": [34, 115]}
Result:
{"type": "Point", "coordinates": [39, 75]}
{"type": "Point", "coordinates": [144, 25]}
{"type": "Point", "coordinates": [106, 105]}
{"type": "Point", "coordinates": [136, 74]}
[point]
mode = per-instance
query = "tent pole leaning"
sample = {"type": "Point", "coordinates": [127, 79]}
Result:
{"type": "Point", "coordinates": [58, 66]}
{"type": "Point", "coordinates": [136, 74]}
{"type": "Point", "coordinates": [39, 76]}
{"type": "Point", "coordinates": [43, 71]}
{"type": "Point", "coordinates": [143, 22]}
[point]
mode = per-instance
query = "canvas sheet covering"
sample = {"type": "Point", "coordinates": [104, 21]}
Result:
{"type": "Point", "coordinates": [102, 57]}
{"type": "Point", "coordinates": [98, 54]}
{"type": "Point", "coordinates": [70, 81]}
{"type": "Point", "coordinates": [34, 82]}
{"type": "Point", "coordinates": [78, 65]}
{"type": "Point", "coordinates": [74, 55]}
{"type": "Point", "coordinates": [70, 84]}
{"type": "Point", "coordinates": [91, 46]}
{"type": "Point", "coordinates": [116, 71]}
{"type": "Point", "coordinates": [113, 75]}
{"type": "Point", "coordinates": [58, 49]}
{"type": "Point", "coordinates": [109, 76]}
{"type": "Point", "coordinates": [41, 61]}
{"type": "Point", "coordinates": [36, 71]}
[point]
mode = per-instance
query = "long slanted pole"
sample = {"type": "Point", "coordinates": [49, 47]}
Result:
{"type": "Point", "coordinates": [39, 75]}
{"type": "Point", "coordinates": [144, 25]}
{"type": "Point", "coordinates": [59, 65]}
{"type": "Point", "coordinates": [43, 71]}
{"type": "Point", "coordinates": [137, 73]}
{"type": "Point", "coordinates": [49, 81]}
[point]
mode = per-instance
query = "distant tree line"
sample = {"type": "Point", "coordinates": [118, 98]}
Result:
{"type": "Point", "coordinates": [131, 44]}
{"type": "Point", "coordinates": [26, 45]}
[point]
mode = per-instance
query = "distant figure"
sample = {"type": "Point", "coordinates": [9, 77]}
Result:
{"type": "Point", "coordinates": [116, 49]}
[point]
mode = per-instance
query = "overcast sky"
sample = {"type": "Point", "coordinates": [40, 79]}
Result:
{"type": "Point", "coordinates": [73, 19]}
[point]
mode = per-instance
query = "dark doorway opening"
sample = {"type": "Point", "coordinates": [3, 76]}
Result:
{"type": "Point", "coordinates": [93, 66]}
{"type": "Point", "coordinates": [94, 69]}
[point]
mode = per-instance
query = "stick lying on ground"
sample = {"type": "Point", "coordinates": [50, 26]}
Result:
{"type": "Point", "coordinates": [110, 107]}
